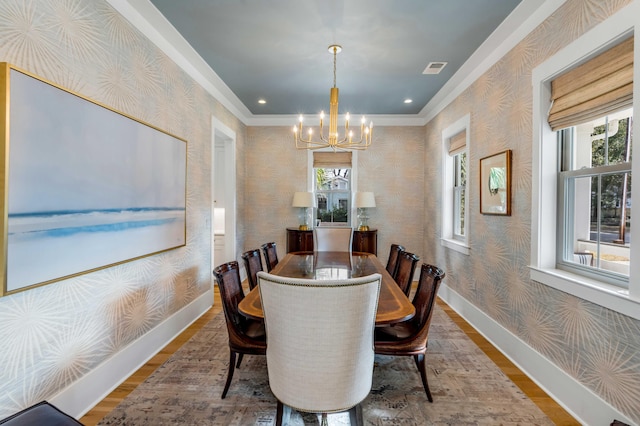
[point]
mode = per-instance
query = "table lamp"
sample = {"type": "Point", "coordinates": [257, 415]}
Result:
{"type": "Point", "coordinates": [364, 200]}
{"type": "Point", "coordinates": [304, 200]}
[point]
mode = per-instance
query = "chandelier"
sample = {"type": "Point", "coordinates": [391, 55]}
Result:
{"type": "Point", "coordinates": [333, 140]}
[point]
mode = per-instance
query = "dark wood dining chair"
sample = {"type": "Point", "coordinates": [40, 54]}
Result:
{"type": "Point", "coordinates": [270, 255]}
{"type": "Point", "coordinates": [252, 264]}
{"type": "Point", "coordinates": [404, 272]}
{"type": "Point", "coordinates": [392, 262]}
{"type": "Point", "coordinates": [410, 338]}
{"type": "Point", "coordinates": [245, 336]}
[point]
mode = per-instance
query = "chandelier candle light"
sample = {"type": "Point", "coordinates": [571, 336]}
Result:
{"type": "Point", "coordinates": [304, 200]}
{"type": "Point", "coordinates": [364, 201]}
{"type": "Point", "coordinates": [333, 140]}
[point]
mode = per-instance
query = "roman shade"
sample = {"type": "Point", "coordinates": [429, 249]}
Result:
{"type": "Point", "coordinates": [594, 89]}
{"type": "Point", "coordinates": [332, 160]}
{"type": "Point", "coordinates": [457, 142]}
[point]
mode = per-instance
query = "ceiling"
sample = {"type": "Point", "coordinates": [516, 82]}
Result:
{"type": "Point", "coordinates": [277, 50]}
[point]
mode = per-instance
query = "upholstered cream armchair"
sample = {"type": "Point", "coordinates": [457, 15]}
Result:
{"type": "Point", "coordinates": [319, 342]}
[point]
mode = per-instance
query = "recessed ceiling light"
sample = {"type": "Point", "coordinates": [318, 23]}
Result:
{"type": "Point", "coordinates": [434, 67]}
{"type": "Point", "coordinates": [262, 101]}
{"type": "Point", "coordinates": [408, 101]}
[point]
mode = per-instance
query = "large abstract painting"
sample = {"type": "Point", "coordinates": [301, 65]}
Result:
{"type": "Point", "coordinates": [85, 186]}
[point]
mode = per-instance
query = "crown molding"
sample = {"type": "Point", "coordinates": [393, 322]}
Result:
{"type": "Point", "coordinates": [147, 19]}
{"type": "Point", "coordinates": [522, 21]}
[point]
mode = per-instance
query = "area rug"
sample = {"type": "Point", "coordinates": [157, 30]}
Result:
{"type": "Point", "coordinates": [467, 388]}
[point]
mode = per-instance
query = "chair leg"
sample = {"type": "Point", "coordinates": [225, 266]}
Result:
{"type": "Point", "coordinates": [283, 414]}
{"type": "Point", "coordinates": [420, 362]}
{"type": "Point", "coordinates": [239, 360]}
{"type": "Point", "coordinates": [232, 362]}
{"type": "Point", "coordinates": [355, 415]}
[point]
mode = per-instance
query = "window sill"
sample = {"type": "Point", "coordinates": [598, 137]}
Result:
{"type": "Point", "coordinates": [456, 245]}
{"type": "Point", "coordinates": [608, 296]}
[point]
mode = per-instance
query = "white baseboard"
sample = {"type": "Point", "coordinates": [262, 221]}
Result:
{"type": "Point", "coordinates": [579, 401]}
{"type": "Point", "coordinates": [82, 395]}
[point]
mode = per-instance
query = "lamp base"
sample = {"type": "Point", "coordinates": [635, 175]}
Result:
{"type": "Point", "coordinates": [303, 227]}
{"type": "Point", "coordinates": [363, 228]}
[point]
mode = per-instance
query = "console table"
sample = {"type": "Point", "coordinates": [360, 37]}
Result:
{"type": "Point", "coordinates": [363, 241]}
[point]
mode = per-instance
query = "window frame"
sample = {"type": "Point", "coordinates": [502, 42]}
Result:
{"type": "Point", "coordinates": [545, 154]}
{"type": "Point", "coordinates": [311, 180]}
{"type": "Point", "coordinates": [449, 238]}
{"type": "Point", "coordinates": [565, 209]}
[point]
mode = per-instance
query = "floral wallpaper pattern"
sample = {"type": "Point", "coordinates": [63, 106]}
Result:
{"type": "Point", "coordinates": [55, 334]}
{"type": "Point", "coordinates": [597, 347]}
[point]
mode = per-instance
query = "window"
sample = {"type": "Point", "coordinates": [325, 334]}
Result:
{"type": "Point", "coordinates": [581, 157]}
{"type": "Point", "coordinates": [455, 169]}
{"type": "Point", "coordinates": [459, 187]}
{"type": "Point", "coordinates": [332, 187]}
{"type": "Point", "coordinates": [594, 199]}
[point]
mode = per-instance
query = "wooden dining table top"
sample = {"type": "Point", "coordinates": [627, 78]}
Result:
{"type": "Point", "coordinates": [393, 305]}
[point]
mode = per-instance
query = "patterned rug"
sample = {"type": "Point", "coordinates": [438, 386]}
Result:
{"type": "Point", "coordinates": [467, 388]}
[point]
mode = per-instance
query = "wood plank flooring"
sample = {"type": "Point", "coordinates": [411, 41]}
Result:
{"type": "Point", "coordinates": [554, 411]}
{"type": "Point", "coordinates": [548, 406]}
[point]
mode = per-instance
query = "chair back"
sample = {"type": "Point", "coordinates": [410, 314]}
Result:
{"type": "Point", "coordinates": [270, 255]}
{"type": "Point", "coordinates": [326, 238]}
{"type": "Point", "coordinates": [392, 262]}
{"type": "Point", "coordinates": [228, 279]}
{"type": "Point", "coordinates": [406, 267]}
{"type": "Point", "coordinates": [319, 340]}
{"type": "Point", "coordinates": [425, 297]}
{"type": "Point", "coordinates": [253, 265]}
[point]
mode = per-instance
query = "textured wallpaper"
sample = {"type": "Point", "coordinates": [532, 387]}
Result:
{"type": "Point", "coordinates": [392, 168]}
{"type": "Point", "coordinates": [53, 335]}
{"type": "Point", "coordinates": [596, 346]}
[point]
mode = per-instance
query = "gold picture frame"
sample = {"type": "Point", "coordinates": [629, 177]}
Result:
{"type": "Point", "coordinates": [85, 186]}
{"type": "Point", "coordinates": [495, 184]}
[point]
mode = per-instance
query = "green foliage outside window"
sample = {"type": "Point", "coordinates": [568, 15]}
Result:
{"type": "Point", "coordinates": [335, 215]}
{"type": "Point", "coordinates": [612, 149]}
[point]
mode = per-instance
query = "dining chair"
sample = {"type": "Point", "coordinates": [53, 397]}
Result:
{"type": "Point", "coordinates": [245, 336]}
{"type": "Point", "coordinates": [320, 348]}
{"type": "Point", "coordinates": [404, 271]}
{"type": "Point", "coordinates": [392, 262]}
{"type": "Point", "coordinates": [326, 238]}
{"type": "Point", "coordinates": [270, 255]}
{"type": "Point", "coordinates": [253, 265]}
{"type": "Point", "coordinates": [410, 338]}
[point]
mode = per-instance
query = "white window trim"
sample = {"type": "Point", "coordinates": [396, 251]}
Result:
{"type": "Point", "coordinates": [354, 180]}
{"type": "Point", "coordinates": [447, 240]}
{"type": "Point", "coordinates": [544, 170]}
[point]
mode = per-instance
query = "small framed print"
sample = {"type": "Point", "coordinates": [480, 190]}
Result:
{"type": "Point", "coordinates": [495, 184]}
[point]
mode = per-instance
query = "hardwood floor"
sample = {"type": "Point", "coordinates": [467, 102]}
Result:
{"type": "Point", "coordinates": [554, 411]}
{"type": "Point", "coordinates": [548, 406]}
{"type": "Point", "coordinates": [117, 395]}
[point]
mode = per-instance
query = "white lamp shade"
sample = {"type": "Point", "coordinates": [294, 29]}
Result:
{"type": "Point", "coordinates": [303, 199]}
{"type": "Point", "coordinates": [365, 199]}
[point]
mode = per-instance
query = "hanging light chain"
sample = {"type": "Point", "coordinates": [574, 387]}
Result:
{"type": "Point", "coordinates": [335, 53]}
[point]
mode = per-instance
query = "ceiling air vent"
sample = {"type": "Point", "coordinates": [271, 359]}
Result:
{"type": "Point", "coordinates": [434, 67]}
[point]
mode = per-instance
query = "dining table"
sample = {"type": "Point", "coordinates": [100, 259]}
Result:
{"type": "Point", "coordinates": [393, 305]}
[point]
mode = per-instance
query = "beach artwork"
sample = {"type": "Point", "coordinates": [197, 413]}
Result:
{"type": "Point", "coordinates": [87, 187]}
